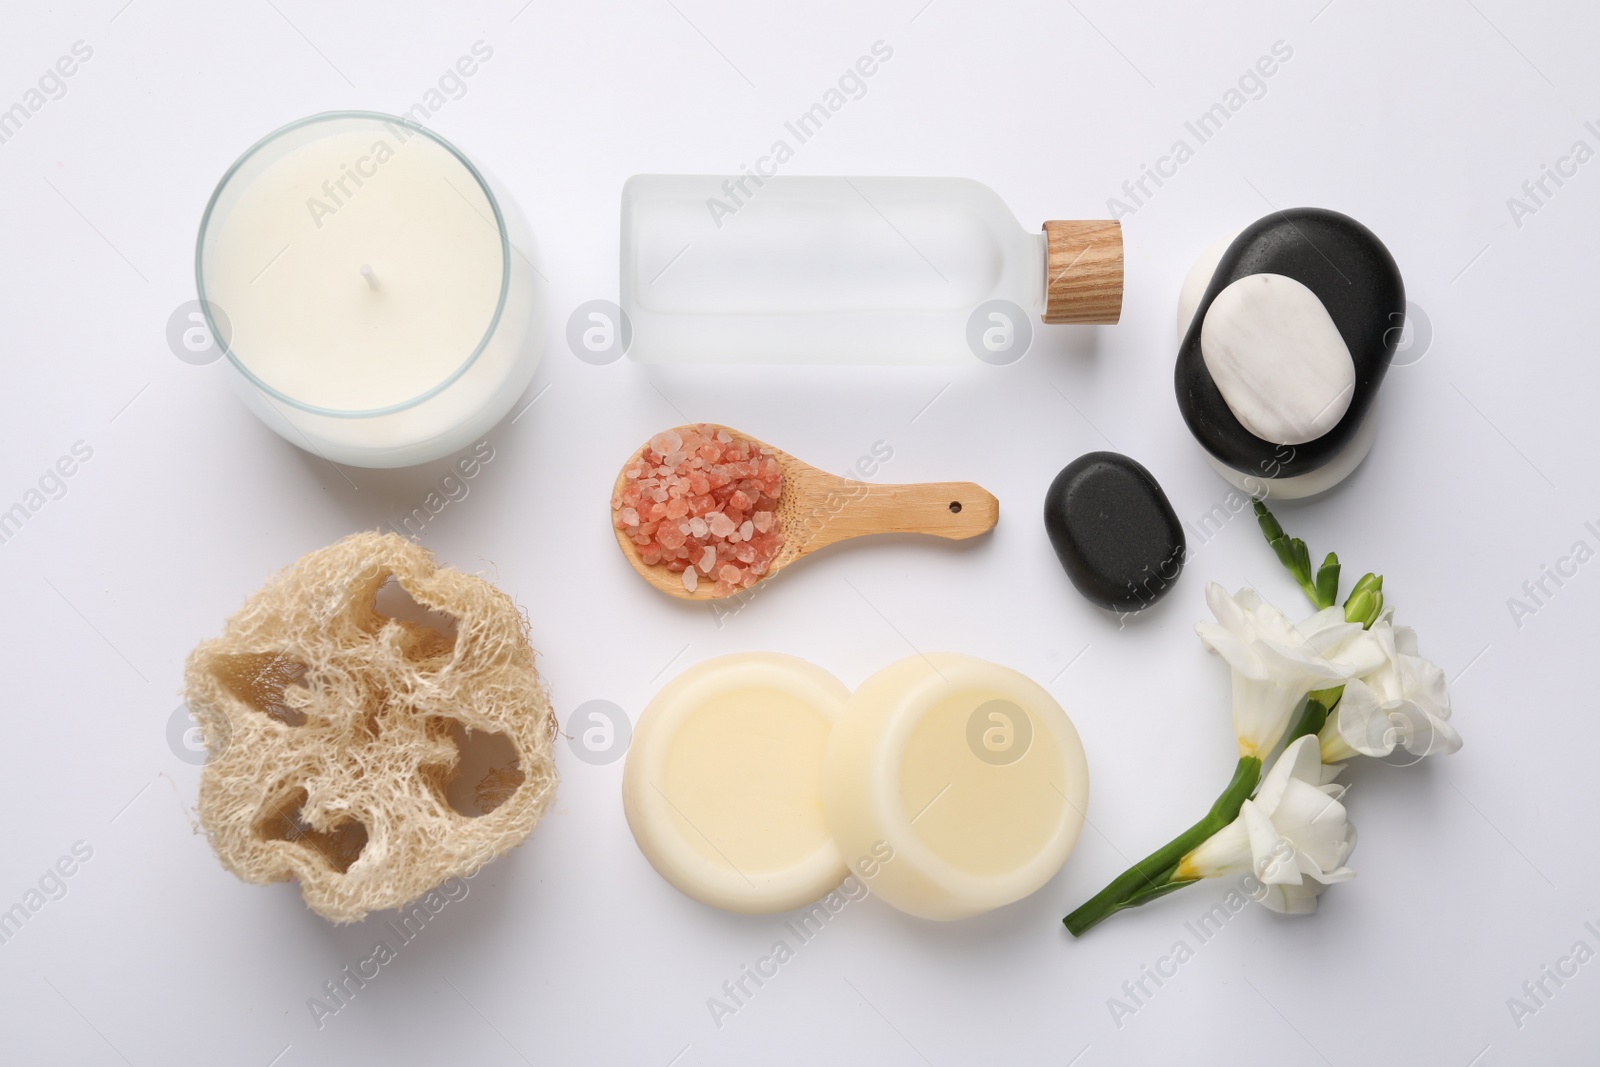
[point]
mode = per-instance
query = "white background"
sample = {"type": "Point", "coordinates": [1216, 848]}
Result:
{"type": "Point", "coordinates": [1420, 119]}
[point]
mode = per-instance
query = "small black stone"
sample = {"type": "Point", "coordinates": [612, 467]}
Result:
{"type": "Point", "coordinates": [1354, 276]}
{"type": "Point", "coordinates": [1114, 531]}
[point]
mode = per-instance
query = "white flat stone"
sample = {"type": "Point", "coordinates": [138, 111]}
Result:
{"type": "Point", "coordinates": [1313, 483]}
{"type": "Point", "coordinates": [1277, 359]}
{"type": "Point", "coordinates": [1198, 280]}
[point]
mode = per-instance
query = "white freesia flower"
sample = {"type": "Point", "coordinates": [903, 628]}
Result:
{"type": "Point", "coordinates": [1276, 662]}
{"type": "Point", "coordinates": [1406, 701]}
{"type": "Point", "coordinates": [1293, 836]}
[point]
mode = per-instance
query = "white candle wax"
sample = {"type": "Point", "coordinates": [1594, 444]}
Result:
{"type": "Point", "coordinates": [378, 309]}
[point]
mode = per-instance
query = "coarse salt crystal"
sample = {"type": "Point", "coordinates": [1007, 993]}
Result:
{"type": "Point", "coordinates": [702, 502]}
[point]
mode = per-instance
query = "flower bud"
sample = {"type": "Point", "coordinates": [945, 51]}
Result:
{"type": "Point", "coordinates": [1358, 607]}
{"type": "Point", "coordinates": [1366, 601]}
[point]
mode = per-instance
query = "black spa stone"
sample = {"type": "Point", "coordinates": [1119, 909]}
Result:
{"type": "Point", "coordinates": [1352, 273]}
{"type": "Point", "coordinates": [1114, 531]}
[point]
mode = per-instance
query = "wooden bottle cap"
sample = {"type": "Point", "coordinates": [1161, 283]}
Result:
{"type": "Point", "coordinates": [1083, 271]}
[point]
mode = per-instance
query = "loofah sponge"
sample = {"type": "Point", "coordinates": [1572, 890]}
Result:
{"type": "Point", "coordinates": [334, 728]}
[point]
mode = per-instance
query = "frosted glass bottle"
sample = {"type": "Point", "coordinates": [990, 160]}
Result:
{"type": "Point", "coordinates": [833, 270]}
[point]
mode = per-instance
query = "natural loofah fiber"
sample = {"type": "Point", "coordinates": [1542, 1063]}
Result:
{"type": "Point", "coordinates": [331, 728]}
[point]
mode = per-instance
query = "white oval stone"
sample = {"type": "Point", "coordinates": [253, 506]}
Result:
{"type": "Point", "coordinates": [1198, 280]}
{"type": "Point", "coordinates": [1277, 359]}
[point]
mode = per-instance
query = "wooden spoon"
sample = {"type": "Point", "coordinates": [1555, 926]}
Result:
{"type": "Point", "coordinates": [818, 509]}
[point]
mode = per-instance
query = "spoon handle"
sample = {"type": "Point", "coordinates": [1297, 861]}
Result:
{"type": "Point", "coordinates": [952, 510]}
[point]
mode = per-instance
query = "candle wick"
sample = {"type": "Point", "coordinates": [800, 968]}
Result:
{"type": "Point", "coordinates": [366, 272]}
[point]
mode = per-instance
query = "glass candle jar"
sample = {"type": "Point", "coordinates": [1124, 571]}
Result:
{"type": "Point", "coordinates": [375, 293]}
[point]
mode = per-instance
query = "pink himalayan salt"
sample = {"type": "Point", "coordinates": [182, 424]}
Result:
{"type": "Point", "coordinates": [703, 500]}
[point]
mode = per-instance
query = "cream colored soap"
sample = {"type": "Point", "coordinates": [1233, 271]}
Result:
{"type": "Point", "coordinates": [968, 775]}
{"type": "Point", "coordinates": [723, 782]}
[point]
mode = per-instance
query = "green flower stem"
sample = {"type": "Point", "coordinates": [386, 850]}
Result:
{"type": "Point", "coordinates": [1318, 705]}
{"type": "Point", "coordinates": [1152, 877]}
{"type": "Point", "coordinates": [1292, 553]}
{"type": "Point", "coordinates": [1149, 893]}
{"type": "Point", "coordinates": [1321, 588]}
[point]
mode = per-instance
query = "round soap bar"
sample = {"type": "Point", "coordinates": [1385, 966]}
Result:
{"type": "Point", "coordinates": [723, 782]}
{"type": "Point", "coordinates": [1114, 531]}
{"type": "Point", "coordinates": [954, 786]}
{"type": "Point", "coordinates": [1341, 266]}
